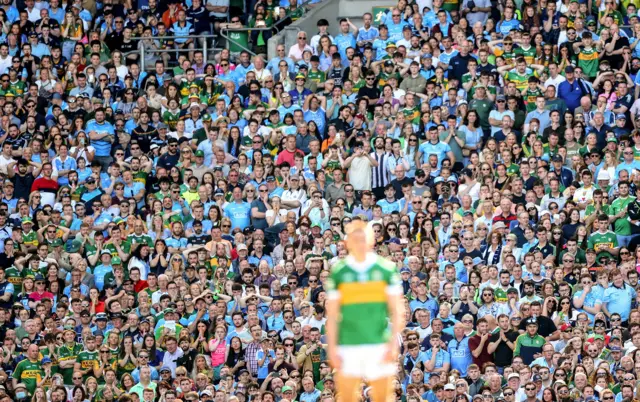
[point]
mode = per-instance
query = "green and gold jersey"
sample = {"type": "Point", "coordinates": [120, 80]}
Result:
{"type": "Point", "coordinates": [88, 360]}
{"type": "Point", "coordinates": [171, 119]}
{"type": "Point", "coordinates": [14, 277]}
{"type": "Point", "coordinates": [30, 239]}
{"type": "Point", "coordinates": [317, 76]}
{"type": "Point", "coordinates": [598, 240]}
{"type": "Point", "coordinates": [362, 290]}
{"type": "Point", "coordinates": [513, 170]}
{"type": "Point", "coordinates": [589, 61]}
{"type": "Point", "coordinates": [383, 78]}
{"type": "Point", "coordinates": [140, 176]}
{"type": "Point", "coordinates": [65, 353]}
{"type": "Point", "coordinates": [528, 54]}
{"type": "Point", "coordinates": [30, 373]}
{"type": "Point", "coordinates": [509, 57]}
{"type": "Point", "coordinates": [521, 80]}
{"type": "Point", "coordinates": [412, 114]}
{"type": "Point", "coordinates": [529, 97]}
{"type": "Point", "coordinates": [185, 87]}
{"type": "Point", "coordinates": [126, 247]}
{"type": "Point", "coordinates": [17, 87]}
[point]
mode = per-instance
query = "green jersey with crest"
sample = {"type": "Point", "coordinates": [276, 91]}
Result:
{"type": "Point", "coordinates": [598, 240]}
{"type": "Point", "coordinates": [67, 353]}
{"type": "Point", "coordinates": [362, 290]}
{"type": "Point", "coordinates": [88, 360]}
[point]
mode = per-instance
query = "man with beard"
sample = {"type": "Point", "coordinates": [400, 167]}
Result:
{"type": "Point", "coordinates": [502, 342]}
{"type": "Point", "coordinates": [23, 178]}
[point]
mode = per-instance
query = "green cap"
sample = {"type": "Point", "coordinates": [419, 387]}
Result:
{"type": "Point", "coordinates": [116, 261]}
{"type": "Point", "coordinates": [57, 242]}
{"type": "Point", "coordinates": [301, 76]}
{"type": "Point", "coordinates": [206, 117]}
{"type": "Point", "coordinates": [199, 153]}
{"type": "Point", "coordinates": [118, 220]}
{"type": "Point", "coordinates": [74, 247]}
{"type": "Point", "coordinates": [27, 219]}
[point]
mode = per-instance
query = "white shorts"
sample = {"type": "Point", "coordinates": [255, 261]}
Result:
{"type": "Point", "coordinates": [365, 361]}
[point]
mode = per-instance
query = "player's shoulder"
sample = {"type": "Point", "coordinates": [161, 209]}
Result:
{"type": "Point", "coordinates": [385, 264]}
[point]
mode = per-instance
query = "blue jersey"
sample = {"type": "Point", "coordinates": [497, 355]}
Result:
{"type": "Point", "coordinates": [68, 164]}
{"type": "Point", "coordinates": [344, 41]}
{"type": "Point", "coordinates": [395, 30]}
{"type": "Point", "coordinates": [440, 149]}
{"type": "Point", "coordinates": [103, 148]}
{"type": "Point", "coordinates": [319, 117]}
{"type": "Point", "coordinates": [389, 207]}
{"type": "Point", "coordinates": [504, 27]}
{"type": "Point", "coordinates": [99, 273]}
{"type": "Point", "coordinates": [239, 214]}
{"type": "Point", "coordinates": [618, 300]}
{"type": "Point", "coordinates": [460, 355]}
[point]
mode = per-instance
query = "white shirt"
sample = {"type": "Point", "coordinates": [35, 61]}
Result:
{"type": "Point", "coordinates": [5, 63]}
{"type": "Point", "coordinates": [295, 195]}
{"type": "Point", "coordinates": [555, 82]}
{"type": "Point", "coordinates": [261, 74]}
{"type": "Point", "coordinates": [4, 162]}
{"type": "Point", "coordinates": [315, 41]}
{"type": "Point", "coordinates": [170, 359]}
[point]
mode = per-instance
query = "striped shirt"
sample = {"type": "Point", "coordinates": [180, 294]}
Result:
{"type": "Point", "coordinates": [380, 173]}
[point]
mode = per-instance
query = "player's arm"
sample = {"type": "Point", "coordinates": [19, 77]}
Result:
{"type": "Point", "coordinates": [331, 326]}
{"type": "Point", "coordinates": [394, 307]}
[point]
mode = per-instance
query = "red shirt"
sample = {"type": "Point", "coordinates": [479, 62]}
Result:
{"type": "Point", "coordinates": [288, 156]}
{"type": "Point", "coordinates": [485, 356]}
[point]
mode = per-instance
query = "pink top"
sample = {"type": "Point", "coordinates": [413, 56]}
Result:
{"type": "Point", "coordinates": [217, 354]}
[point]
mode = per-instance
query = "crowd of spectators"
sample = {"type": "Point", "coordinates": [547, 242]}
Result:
{"type": "Point", "coordinates": [167, 220]}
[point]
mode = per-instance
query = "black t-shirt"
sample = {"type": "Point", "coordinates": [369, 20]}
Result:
{"type": "Point", "coordinates": [546, 326]}
{"type": "Point", "coordinates": [616, 60]}
{"type": "Point", "coordinates": [22, 185]}
{"type": "Point", "coordinates": [372, 93]}
{"type": "Point", "coordinates": [503, 356]}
